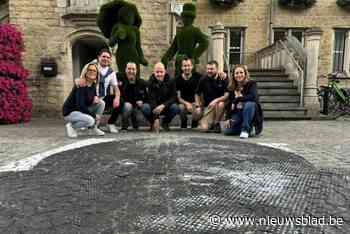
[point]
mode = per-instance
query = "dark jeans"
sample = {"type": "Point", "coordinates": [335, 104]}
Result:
{"type": "Point", "coordinates": [132, 111]}
{"type": "Point", "coordinates": [169, 113]}
{"type": "Point", "coordinates": [241, 119]}
{"type": "Point", "coordinates": [115, 111]}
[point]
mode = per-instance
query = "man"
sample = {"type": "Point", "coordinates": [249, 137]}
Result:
{"type": "Point", "coordinates": [210, 96]}
{"type": "Point", "coordinates": [134, 96]}
{"type": "Point", "coordinates": [186, 85]}
{"type": "Point", "coordinates": [162, 97]}
{"type": "Point", "coordinates": [107, 80]}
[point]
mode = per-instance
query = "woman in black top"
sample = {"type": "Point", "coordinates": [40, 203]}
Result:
{"type": "Point", "coordinates": [243, 106]}
{"type": "Point", "coordinates": [83, 108]}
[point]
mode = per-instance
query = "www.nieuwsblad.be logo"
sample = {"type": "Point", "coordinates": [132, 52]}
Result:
{"type": "Point", "coordinates": [238, 221]}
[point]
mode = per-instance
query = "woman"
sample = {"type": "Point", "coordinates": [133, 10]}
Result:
{"type": "Point", "coordinates": [243, 109]}
{"type": "Point", "coordinates": [83, 109]}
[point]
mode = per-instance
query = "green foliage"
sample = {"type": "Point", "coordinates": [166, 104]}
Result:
{"type": "Point", "coordinates": [189, 41]}
{"type": "Point", "coordinates": [119, 21]}
{"type": "Point", "coordinates": [225, 3]}
{"type": "Point", "coordinates": [297, 4]}
{"type": "Point", "coordinates": [344, 4]}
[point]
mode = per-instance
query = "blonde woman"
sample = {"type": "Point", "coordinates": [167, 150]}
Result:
{"type": "Point", "coordinates": [243, 109]}
{"type": "Point", "coordinates": [83, 109]}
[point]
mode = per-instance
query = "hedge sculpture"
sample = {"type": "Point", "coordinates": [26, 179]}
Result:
{"type": "Point", "coordinates": [190, 41]}
{"type": "Point", "coordinates": [297, 4]}
{"type": "Point", "coordinates": [120, 22]}
{"type": "Point", "coordinates": [225, 3]}
{"type": "Point", "coordinates": [344, 4]}
{"type": "Point", "coordinates": [15, 105]}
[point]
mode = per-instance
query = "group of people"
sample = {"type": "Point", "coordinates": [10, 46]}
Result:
{"type": "Point", "coordinates": [216, 102]}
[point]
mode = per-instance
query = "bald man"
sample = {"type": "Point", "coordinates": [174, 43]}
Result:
{"type": "Point", "coordinates": [162, 97]}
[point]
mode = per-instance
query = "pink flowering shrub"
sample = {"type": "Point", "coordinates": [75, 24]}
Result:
{"type": "Point", "coordinates": [15, 105]}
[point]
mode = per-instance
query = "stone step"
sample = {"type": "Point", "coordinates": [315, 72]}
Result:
{"type": "Point", "coordinates": [267, 75]}
{"type": "Point", "coordinates": [286, 114]}
{"type": "Point", "coordinates": [253, 71]}
{"type": "Point", "coordinates": [271, 78]}
{"type": "Point", "coordinates": [279, 98]}
{"type": "Point", "coordinates": [275, 84]}
{"type": "Point", "coordinates": [274, 105]}
{"type": "Point", "coordinates": [277, 91]}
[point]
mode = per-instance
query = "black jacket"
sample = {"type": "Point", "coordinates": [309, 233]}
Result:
{"type": "Point", "coordinates": [132, 92]}
{"type": "Point", "coordinates": [80, 99]}
{"type": "Point", "coordinates": [161, 92]}
{"type": "Point", "coordinates": [249, 94]}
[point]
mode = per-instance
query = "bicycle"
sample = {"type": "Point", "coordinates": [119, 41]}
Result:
{"type": "Point", "coordinates": [334, 101]}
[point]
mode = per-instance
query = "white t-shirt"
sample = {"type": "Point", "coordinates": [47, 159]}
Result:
{"type": "Point", "coordinates": [111, 79]}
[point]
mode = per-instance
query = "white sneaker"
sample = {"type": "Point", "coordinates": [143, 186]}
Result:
{"type": "Point", "coordinates": [244, 135]}
{"type": "Point", "coordinates": [97, 131]}
{"type": "Point", "coordinates": [112, 128]}
{"type": "Point", "coordinates": [71, 132]}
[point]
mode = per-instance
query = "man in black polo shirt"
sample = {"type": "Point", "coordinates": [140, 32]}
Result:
{"type": "Point", "coordinates": [210, 96]}
{"type": "Point", "coordinates": [186, 85]}
{"type": "Point", "coordinates": [134, 97]}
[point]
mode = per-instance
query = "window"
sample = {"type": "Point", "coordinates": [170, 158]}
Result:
{"type": "Point", "coordinates": [235, 45]}
{"type": "Point", "coordinates": [280, 33]}
{"type": "Point", "coordinates": [339, 50]}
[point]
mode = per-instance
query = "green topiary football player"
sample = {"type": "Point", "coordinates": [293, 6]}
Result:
{"type": "Point", "coordinates": [190, 41]}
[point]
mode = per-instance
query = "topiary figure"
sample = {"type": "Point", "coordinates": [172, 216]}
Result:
{"type": "Point", "coordinates": [225, 3]}
{"type": "Point", "coordinates": [120, 22]}
{"type": "Point", "coordinates": [188, 42]}
{"type": "Point", "coordinates": [297, 4]}
{"type": "Point", "coordinates": [344, 4]}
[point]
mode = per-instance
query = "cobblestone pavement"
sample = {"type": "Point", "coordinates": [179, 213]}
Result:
{"type": "Point", "coordinates": [325, 144]}
{"type": "Point", "coordinates": [179, 181]}
{"type": "Point", "coordinates": [173, 185]}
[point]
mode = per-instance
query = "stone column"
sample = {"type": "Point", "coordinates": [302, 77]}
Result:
{"type": "Point", "coordinates": [347, 54]}
{"type": "Point", "coordinates": [313, 39]}
{"type": "Point", "coordinates": [218, 37]}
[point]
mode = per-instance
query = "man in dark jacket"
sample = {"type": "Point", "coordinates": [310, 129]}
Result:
{"type": "Point", "coordinates": [162, 97]}
{"type": "Point", "coordinates": [134, 96]}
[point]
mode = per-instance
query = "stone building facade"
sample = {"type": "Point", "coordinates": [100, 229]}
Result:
{"type": "Point", "coordinates": [65, 30]}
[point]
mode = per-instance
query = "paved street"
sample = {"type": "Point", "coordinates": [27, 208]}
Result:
{"type": "Point", "coordinates": [175, 182]}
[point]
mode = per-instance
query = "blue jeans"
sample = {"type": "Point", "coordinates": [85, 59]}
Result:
{"type": "Point", "coordinates": [241, 119]}
{"type": "Point", "coordinates": [128, 110]}
{"type": "Point", "coordinates": [169, 113]}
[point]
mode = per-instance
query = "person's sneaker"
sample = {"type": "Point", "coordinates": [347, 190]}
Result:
{"type": "Point", "coordinates": [165, 126]}
{"type": "Point", "coordinates": [210, 128]}
{"type": "Point", "coordinates": [135, 127]}
{"type": "Point", "coordinates": [124, 129]}
{"type": "Point", "coordinates": [112, 128]}
{"type": "Point", "coordinates": [217, 128]}
{"type": "Point", "coordinates": [97, 132]}
{"type": "Point", "coordinates": [244, 135]}
{"type": "Point", "coordinates": [71, 132]}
